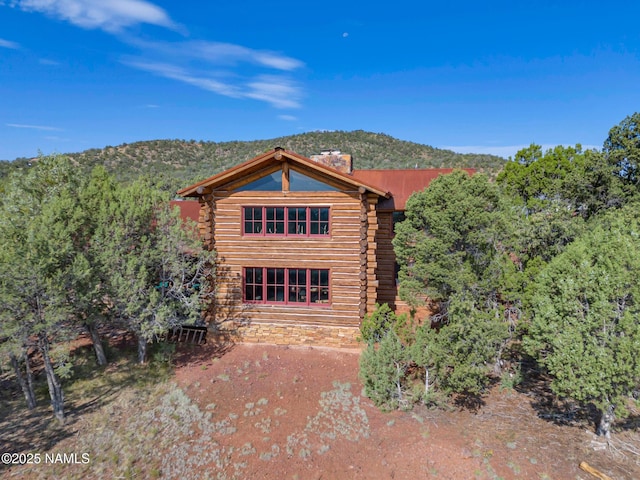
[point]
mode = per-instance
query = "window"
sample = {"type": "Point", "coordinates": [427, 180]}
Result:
{"type": "Point", "coordinates": [302, 183]}
{"type": "Point", "coordinates": [298, 182]}
{"type": "Point", "coordinates": [319, 221]}
{"type": "Point", "coordinates": [275, 220]}
{"type": "Point", "coordinates": [319, 286]}
{"type": "Point", "coordinates": [268, 183]}
{"type": "Point", "coordinates": [289, 286]}
{"type": "Point", "coordinates": [253, 220]}
{"type": "Point", "coordinates": [275, 285]}
{"type": "Point", "coordinates": [298, 285]}
{"type": "Point", "coordinates": [297, 221]}
{"type": "Point", "coordinates": [285, 221]}
{"type": "Point", "coordinates": [253, 285]}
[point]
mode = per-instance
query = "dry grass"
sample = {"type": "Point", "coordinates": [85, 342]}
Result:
{"type": "Point", "coordinates": [135, 423]}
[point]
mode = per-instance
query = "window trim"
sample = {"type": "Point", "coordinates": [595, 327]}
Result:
{"type": "Point", "coordinates": [308, 222]}
{"type": "Point", "coordinates": [287, 287]}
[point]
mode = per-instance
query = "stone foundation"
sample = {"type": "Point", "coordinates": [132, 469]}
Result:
{"type": "Point", "coordinates": [312, 335]}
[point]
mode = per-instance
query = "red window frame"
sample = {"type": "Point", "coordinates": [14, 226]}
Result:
{"type": "Point", "coordinates": [275, 285]}
{"type": "Point", "coordinates": [253, 290]}
{"type": "Point", "coordinates": [308, 287]}
{"type": "Point", "coordinates": [318, 221]}
{"type": "Point", "coordinates": [297, 221]}
{"type": "Point", "coordinates": [275, 220]}
{"type": "Point", "coordinates": [286, 221]}
{"type": "Point", "coordinates": [253, 220]}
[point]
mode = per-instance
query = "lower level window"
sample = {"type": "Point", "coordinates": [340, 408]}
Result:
{"type": "Point", "coordinates": [290, 286]}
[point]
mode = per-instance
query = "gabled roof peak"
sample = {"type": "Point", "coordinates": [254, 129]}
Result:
{"type": "Point", "coordinates": [263, 161]}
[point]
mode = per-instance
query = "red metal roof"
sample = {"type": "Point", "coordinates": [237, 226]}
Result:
{"type": "Point", "coordinates": [188, 209]}
{"type": "Point", "coordinates": [401, 183]}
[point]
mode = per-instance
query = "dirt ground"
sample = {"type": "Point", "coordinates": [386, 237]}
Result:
{"type": "Point", "coordinates": [302, 410]}
{"type": "Point", "coordinates": [272, 412]}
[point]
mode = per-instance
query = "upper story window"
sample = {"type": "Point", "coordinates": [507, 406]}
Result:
{"type": "Point", "coordinates": [285, 221]}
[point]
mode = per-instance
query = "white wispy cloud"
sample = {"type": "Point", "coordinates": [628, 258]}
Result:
{"type": "Point", "coordinates": [34, 127]}
{"type": "Point", "coordinates": [9, 44]}
{"type": "Point", "coordinates": [288, 118]}
{"type": "Point", "coordinates": [109, 15]}
{"type": "Point", "coordinates": [46, 61]}
{"type": "Point", "coordinates": [217, 53]}
{"type": "Point", "coordinates": [278, 91]}
{"type": "Point", "coordinates": [276, 61]}
{"type": "Point", "coordinates": [175, 72]}
{"type": "Point", "coordinates": [216, 67]}
{"type": "Point", "coordinates": [248, 73]}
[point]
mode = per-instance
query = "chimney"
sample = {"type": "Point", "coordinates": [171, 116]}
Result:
{"type": "Point", "coordinates": [334, 159]}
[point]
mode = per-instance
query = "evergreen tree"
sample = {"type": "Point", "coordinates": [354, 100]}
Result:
{"type": "Point", "coordinates": [562, 179]}
{"type": "Point", "coordinates": [451, 252]}
{"type": "Point", "coordinates": [40, 267]}
{"type": "Point", "coordinates": [382, 370]}
{"type": "Point", "coordinates": [447, 243]}
{"type": "Point", "coordinates": [622, 149]}
{"type": "Point", "coordinates": [156, 269]}
{"type": "Point", "coordinates": [585, 306]}
{"type": "Point", "coordinates": [90, 296]}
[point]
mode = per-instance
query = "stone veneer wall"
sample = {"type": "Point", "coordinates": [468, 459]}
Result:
{"type": "Point", "coordinates": [312, 335]}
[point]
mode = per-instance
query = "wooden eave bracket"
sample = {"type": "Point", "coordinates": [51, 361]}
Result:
{"type": "Point", "coordinates": [202, 190]}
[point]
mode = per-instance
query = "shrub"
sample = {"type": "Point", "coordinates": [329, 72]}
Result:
{"type": "Point", "coordinates": [382, 370]}
{"type": "Point", "coordinates": [376, 325]}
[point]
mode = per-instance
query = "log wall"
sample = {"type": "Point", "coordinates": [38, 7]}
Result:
{"type": "Point", "coordinates": [387, 289]}
{"type": "Point", "coordinates": [339, 252]}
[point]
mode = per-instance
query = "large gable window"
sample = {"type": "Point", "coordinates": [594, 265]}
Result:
{"type": "Point", "coordinates": [289, 286]}
{"type": "Point", "coordinates": [298, 182]}
{"type": "Point", "coordinates": [268, 183]}
{"type": "Point", "coordinates": [303, 183]}
{"type": "Point", "coordinates": [285, 221]}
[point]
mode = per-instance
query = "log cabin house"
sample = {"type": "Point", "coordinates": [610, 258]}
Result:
{"type": "Point", "coordinates": [303, 245]}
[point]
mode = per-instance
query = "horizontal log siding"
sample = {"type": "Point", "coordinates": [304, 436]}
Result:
{"type": "Point", "coordinates": [338, 252]}
{"type": "Point", "coordinates": [387, 289]}
{"type": "Point", "coordinates": [206, 220]}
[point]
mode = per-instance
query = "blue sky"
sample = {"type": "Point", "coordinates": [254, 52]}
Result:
{"type": "Point", "coordinates": [470, 76]}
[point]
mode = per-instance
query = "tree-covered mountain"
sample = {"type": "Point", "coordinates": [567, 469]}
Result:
{"type": "Point", "coordinates": [181, 162]}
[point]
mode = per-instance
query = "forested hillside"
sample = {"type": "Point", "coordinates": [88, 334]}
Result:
{"type": "Point", "coordinates": [179, 162]}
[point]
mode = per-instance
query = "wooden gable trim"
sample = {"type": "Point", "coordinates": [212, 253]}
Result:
{"type": "Point", "coordinates": [286, 185]}
{"type": "Point", "coordinates": [321, 172]}
{"type": "Point", "coordinates": [261, 163]}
